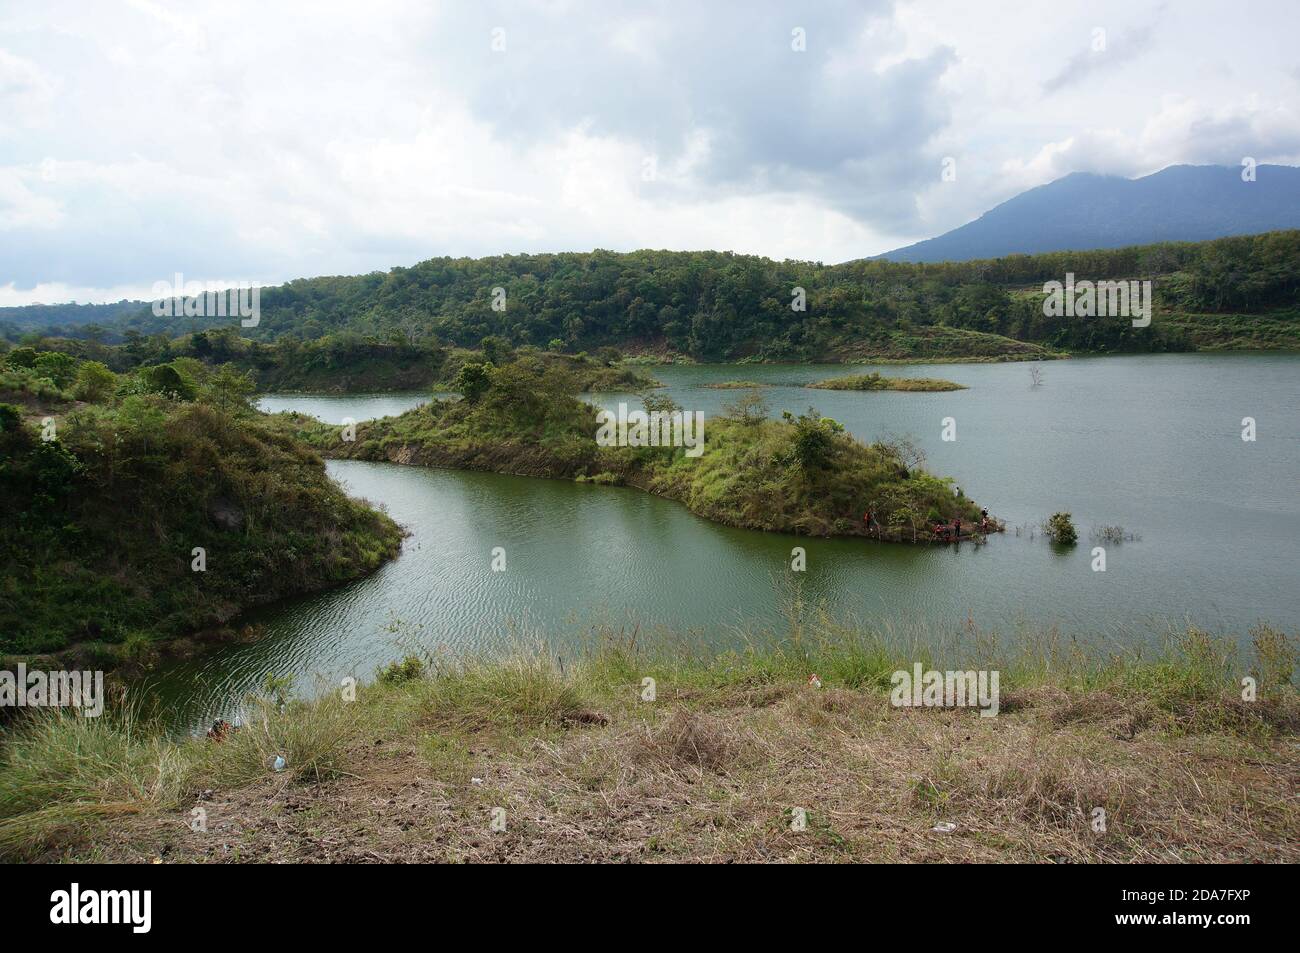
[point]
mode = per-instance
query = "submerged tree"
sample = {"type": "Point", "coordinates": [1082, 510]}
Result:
{"type": "Point", "coordinates": [1060, 529]}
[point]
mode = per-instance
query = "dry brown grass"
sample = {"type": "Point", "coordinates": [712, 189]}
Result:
{"type": "Point", "coordinates": [718, 775]}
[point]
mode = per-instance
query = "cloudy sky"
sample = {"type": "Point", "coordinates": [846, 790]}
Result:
{"type": "Point", "coordinates": [264, 141]}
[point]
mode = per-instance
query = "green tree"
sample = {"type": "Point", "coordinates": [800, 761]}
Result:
{"type": "Point", "coordinates": [95, 382]}
{"type": "Point", "coordinates": [57, 366]}
{"type": "Point", "coordinates": [229, 389]}
{"type": "Point", "coordinates": [473, 381]}
{"type": "Point", "coordinates": [21, 357]}
{"type": "Point", "coordinates": [165, 379]}
{"type": "Point", "coordinates": [496, 350]}
{"type": "Point", "coordinates": [812, 446]}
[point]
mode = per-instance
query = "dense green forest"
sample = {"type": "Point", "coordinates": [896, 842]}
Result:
{"type": "Point", "coordinates": [719, 306]}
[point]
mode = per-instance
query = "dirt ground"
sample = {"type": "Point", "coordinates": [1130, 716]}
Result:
{"type": "Point", "coordinates": [763, 774]}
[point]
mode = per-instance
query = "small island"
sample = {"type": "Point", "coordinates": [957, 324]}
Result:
{"type": "Point", "coordinates": [797, 474]}
{"type": "Point", "coordinates": [874, 381]}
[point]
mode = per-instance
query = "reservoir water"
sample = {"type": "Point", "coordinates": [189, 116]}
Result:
{"type": "Point", "coordinates": [1150, 443]}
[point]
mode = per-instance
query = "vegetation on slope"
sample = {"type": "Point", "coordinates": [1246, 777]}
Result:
{"type": "Point", "coordinates": [939, 344]}
{"type": "Point", "coordinates": [800, 474]}
{"type": "Point", "coordinates": [717, 306]}
{"type": "Point", "coordinates": [710, 769]}
{"type": "Point", "coordinates": [874, 381]}
{"type": "Point", "coordinates": [99, 523]}
{"type": "Point", "coordinates": [1234, 331]}
{"type": "Point", "coordinates": [342, 363]}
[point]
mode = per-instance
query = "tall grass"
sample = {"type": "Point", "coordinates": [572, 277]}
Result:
{"type": "Point", "coordinates": [524, 691]}
{"type": "Point", "coordinates": [61, 773]}
{"type": "Point", "coordinates": [59, 770]}
{"type": "Point", "coordinates": [311, 737]}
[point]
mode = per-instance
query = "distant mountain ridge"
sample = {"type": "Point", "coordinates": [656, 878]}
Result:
{"type": "Point", "coordinates": [1086, 211]}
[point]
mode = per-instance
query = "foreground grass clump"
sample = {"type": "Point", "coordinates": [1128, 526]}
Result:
{"type": "Point", "coordinates": [162, 507]}
{"type": "Point", "coordinates": [61, 771]}
{"type": "Point", "coordinates": [875, 382]}
{"type": "Point", "coordinates": [636, 751]}
{"type": "Point", "coordinates": [800, 474]}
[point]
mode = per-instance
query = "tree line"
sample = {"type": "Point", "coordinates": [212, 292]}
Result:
{"type": "Point", "coordinates": [723, 306]}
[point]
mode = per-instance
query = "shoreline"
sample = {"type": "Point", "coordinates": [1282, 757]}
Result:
{"type": "Point", "coordinates": [658, 481]}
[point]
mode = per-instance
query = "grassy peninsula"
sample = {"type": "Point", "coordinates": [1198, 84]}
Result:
{"type": "Point", "coordinates": [713, 768]}
{"type": "Point", "coordinates": [874, 381]}
{"type": "Point", "coordinates": [800, 474]}
{"type": "Point", "coordinates": [109, 484]}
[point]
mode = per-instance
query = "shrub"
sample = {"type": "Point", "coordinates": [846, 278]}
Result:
{"type": "Point", "coordinates": [21, 357]}
{"type": "Point", "coordinates": [165, 379]}
{"type": "Point", "coordinates": [406, 670]}
{"type": "Point", "coordinates": [813, 446]}
{"type": "Point", "coordinates": [473, 381]}
{"type": "Point", "coordinates": [748, 409]}
{"type": "Point", "coordinates": [1060, 529]}
{"type": "Point", "coordinates": [57, 366]}
{"type": "Point", "coordinates": [95, 382]}
{"type": "Point", "coordinates": [496, 350]}
{"type": "Point", "coordinates": [11, 418]}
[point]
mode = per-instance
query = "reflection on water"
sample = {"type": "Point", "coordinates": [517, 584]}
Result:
{"type": "Point", "coordinates": [333, 408]}
{"type": "Point", "coordinates": [1149, 443]}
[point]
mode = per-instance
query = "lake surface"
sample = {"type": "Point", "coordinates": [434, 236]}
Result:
{"type": "Point", "coordinates": [1151, 443]}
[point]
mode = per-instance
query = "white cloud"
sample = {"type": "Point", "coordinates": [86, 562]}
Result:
{"type": "Point", "coordinates": [264, 142]}
{"type": "Point", "coordinates": [1183, 131]}
{"type": "Point", "coordinates": [25, 91]}
{"type": "Point", "coordinates": [20, 207]}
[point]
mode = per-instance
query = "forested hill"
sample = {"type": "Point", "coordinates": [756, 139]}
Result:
{"type": "Point", "coordinates": [71, 315]}
{"type": "Point", "coordinates": [722, 306]}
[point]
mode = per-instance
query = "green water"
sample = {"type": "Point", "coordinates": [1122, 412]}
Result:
{"type": "Point", "coordinates": [1152, 443]}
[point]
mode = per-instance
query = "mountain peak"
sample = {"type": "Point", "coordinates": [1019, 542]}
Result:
{"type": "Point", "coordinates": [1085, 210]}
